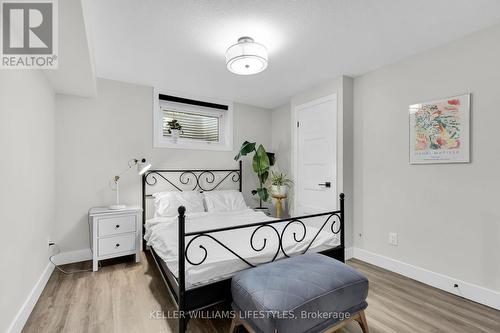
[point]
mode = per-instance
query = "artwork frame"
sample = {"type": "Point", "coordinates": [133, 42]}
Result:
{"type": "Point", "coordinates": [439, 131]}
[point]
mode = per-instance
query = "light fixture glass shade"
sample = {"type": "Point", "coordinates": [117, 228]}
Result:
{"type": "Point", "coordinates": [246, 57]}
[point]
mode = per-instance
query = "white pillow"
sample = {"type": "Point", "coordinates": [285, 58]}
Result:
{"type": "Point", "coordinates": [167, 203]}
{"type": "Point", "coordinates": [224, 201]}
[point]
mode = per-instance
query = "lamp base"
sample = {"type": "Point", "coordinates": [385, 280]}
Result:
{"type": "Point", "coordinates": [117, 207]}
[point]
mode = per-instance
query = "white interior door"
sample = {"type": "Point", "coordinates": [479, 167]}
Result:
{"type": "Point", "coordinates": [316, 156]}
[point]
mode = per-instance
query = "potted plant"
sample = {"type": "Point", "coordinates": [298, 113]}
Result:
{"type": "Point", "coordinates": [261, 163]}
{"type": "Point", "coordinates": [280, 183]}
{"type": "Point", "coordinates": [174, 129]}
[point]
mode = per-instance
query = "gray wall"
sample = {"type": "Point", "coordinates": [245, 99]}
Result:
{"type": "Point", "coordinates": [96, 138]}
{"type": "Point", "coordinates": [446, 216]}
{"type": "Point", "coordinates": [27, 188]}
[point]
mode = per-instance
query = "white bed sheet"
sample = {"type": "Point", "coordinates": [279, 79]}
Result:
{"type": "Point", "coordinates": [162, 235]}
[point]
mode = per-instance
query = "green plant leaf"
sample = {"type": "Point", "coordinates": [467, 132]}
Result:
{"type": "Point", "coordinates": [260, 161]}
{"type": "Point", "coordinates": [246, 148]}
{"type": "Point", "coordinates": [255, 164]}
{"type": "Point", "coordinates": [263, 194]}
{"type": "Point", "coordinates": [263, 177]}
{"type": "Point", "coordinates": [280, 179]}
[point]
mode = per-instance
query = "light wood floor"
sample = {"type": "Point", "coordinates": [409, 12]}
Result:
{"type": "Point", "coordinates": [120, 297]}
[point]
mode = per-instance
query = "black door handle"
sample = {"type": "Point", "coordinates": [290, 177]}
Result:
{"type": "Point", "coordinates": [326, 184]}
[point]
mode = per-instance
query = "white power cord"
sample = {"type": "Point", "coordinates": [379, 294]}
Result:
{"type": "Point", "coordinates": [64, 271]}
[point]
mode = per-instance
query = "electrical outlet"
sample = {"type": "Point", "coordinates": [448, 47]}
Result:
{"type": "Point", "coordinates": [50, 241]}
{"type": "Point", "coordinates": [393, 238]}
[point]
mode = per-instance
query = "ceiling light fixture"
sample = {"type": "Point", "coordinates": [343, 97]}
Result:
{"type": "Point", "coordinates": [246, 57]}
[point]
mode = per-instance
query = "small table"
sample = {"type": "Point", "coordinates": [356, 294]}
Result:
{"type": "Point", "coordinates": [115, 233]}
{"type": "Point", "coordinates": [279, 205]}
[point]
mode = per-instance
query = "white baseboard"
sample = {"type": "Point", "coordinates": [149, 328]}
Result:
{"type": "Point", "coordinates": [70, 257]}
{"type": "Point", "coordinates": [349, 253]}
{"type": "Point", "coordinates": [60, 259]}
{"type": "Point", "coordinates": [22, 316]}
{"type": "Point", "coordinates": [465, 289]}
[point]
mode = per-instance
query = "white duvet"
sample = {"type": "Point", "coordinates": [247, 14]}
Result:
{"type": "Point", "coordinates": [162, 235]}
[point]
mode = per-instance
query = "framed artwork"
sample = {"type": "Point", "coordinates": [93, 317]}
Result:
{"type": "Point", "coordinates": [439, 131]}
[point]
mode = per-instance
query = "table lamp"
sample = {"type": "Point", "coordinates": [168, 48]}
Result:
{"type": "Point", "coordinates": [142, 166]}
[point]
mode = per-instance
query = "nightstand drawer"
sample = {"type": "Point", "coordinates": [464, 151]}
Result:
{"type": "Point", "coordinates": [116, 244]}
{"type": "Point", "coordinates": [116, 225]}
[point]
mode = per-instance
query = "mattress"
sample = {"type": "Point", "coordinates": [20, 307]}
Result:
{"type": "Point", "coordinates": [162, 235]}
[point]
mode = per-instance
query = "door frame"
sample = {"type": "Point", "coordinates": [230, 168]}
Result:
{"type": "Point", "coordinates": [295, 141]}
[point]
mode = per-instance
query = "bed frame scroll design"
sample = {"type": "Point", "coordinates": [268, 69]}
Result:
{"type": "Point", "coordinates": [334, 217]}
{"type": "Point", "coordinates": [192, 180]}
{"type": "Point", "coordinates": [204, 296]}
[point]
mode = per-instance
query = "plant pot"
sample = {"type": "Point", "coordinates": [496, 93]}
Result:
{"type": "Point", "coordinates": [175, 133]}
{"type": "Point", "coordinates": [278, 190]}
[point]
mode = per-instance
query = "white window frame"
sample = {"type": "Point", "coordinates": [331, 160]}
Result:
{"type": "Point", "coordinates": [225, 124]}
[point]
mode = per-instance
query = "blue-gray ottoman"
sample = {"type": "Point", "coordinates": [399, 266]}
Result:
{"type": "Point", "coordinates": [306, 293]}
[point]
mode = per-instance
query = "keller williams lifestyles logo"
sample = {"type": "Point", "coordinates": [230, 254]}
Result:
{"type": "Point", "coordinates": [29, 32]}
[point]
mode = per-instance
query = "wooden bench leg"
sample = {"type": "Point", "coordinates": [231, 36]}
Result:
{"type": "Point", "coordinates": [233, 326]}
{"type": "Point", "coordinates": [236, 322]}
{"type": "Point", "coordinates": [361, 319]}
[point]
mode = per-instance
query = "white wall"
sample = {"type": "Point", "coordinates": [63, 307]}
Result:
{"type": "Point", "coordinates": [347, 165]}
{"type": "Point", "coordinates": [446, 216]}
{"type": "Point", "coordinates": [96, 137]}
{"type": "Point", "coordinates": [281, 140]}
{"type": "Point", "coordinates": [281, 137]}
{"type": "Point", "coordinates": [27, 190]}
{"type": "Point", "coordinates": [75, 74]}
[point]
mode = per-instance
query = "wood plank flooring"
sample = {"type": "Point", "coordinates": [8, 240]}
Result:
{"type": "Point", "coordinates": [120, 298]}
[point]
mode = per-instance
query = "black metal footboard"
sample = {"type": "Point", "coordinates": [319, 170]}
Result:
{"type": "Point", "coordinates": [333, 223]}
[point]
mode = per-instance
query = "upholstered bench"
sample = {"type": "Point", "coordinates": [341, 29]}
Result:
{"type": "Point", "coordinates": [306, 293]}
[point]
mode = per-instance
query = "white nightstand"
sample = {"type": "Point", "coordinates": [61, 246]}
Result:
{"type": "Point", "coordinates": [115, 233]}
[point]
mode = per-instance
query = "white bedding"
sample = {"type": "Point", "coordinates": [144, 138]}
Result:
{"type": "Point", "coordinates": [161, 234]}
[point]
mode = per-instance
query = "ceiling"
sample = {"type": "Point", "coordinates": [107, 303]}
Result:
{"type": "Point", "coordinates": [179, 45]}
{"type": "Point", "coordinates": [75, 74]}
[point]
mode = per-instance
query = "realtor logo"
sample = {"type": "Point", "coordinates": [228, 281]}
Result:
{"type": "Point", "coordinates": [29, 34]}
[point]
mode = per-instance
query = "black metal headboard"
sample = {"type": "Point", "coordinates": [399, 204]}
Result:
{"type": "Point", "coordinates": [189, 180]}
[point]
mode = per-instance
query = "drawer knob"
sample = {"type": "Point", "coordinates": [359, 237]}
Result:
{"type": "Point", "coordinates": [117, 245]}
{"type": "Point", "coordinates": [117, 226]}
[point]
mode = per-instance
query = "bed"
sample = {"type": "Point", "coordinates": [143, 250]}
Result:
{"type": "Point", "coordinates": [216, 245]}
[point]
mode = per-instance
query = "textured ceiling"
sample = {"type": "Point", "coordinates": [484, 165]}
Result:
{"type": "Point", "coordinates": [179, 45]}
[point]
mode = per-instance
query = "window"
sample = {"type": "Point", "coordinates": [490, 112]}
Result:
{"type": "Point", "coordinates": [206, 125]}
{"type": "Point", "coordinates": [195, 126]}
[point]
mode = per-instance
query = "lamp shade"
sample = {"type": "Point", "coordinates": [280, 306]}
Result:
{"type": "Point", "coordinates": [246, 57]}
